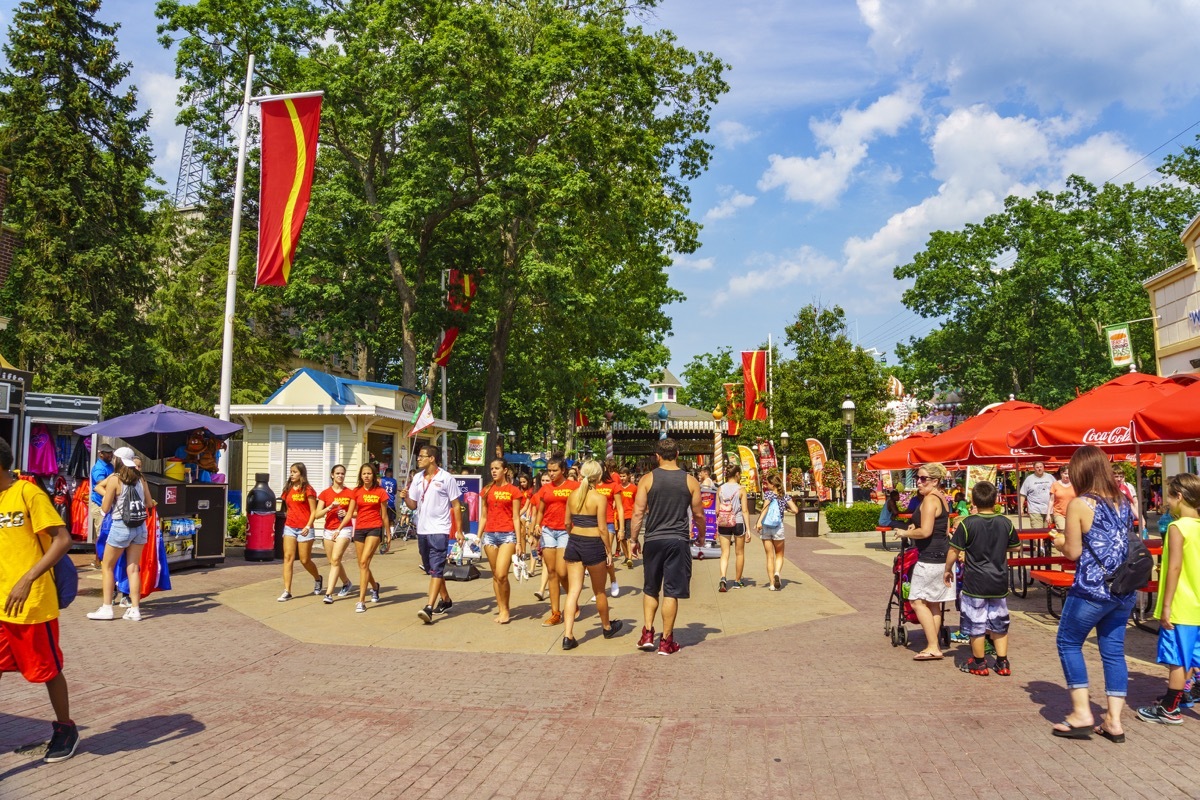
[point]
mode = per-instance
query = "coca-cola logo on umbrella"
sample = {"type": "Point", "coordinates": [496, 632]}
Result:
{"type": "Point", "coordinates": [1118, 435]}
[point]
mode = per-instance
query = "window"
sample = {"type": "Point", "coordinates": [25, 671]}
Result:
{"type": "Point", "coordinates": [308, 448]}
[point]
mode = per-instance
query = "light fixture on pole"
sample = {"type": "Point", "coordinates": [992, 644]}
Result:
{"type": "Point", "coordinates": [783, 449]}
{"type": "Point", "coordinates": [512, 440]}
{"type": "Point", "coordinates": [848, 423]}
{"type": "Point", "coordinates": [663, 415]}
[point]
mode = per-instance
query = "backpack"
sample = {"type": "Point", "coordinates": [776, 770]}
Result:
{"type": "Point", "coordinates": [131, 505]}
{"type": "Point", "coordinates": [65, 577]}
{"type": "Point", "coordinates": [726, 516]}
{"type": "Point", "coordinates": [1131, 574]}
{"type": "Point", "coordinates": [772, 517]}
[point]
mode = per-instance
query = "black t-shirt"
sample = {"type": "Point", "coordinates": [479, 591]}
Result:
{"type": "Point", "coordinates": [986, 539]}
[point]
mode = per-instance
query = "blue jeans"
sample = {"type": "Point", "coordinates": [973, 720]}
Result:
{"type": "Point", "coordinates": [1108, 617]}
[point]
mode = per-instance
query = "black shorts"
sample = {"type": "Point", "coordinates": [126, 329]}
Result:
{"type": "Point", "coordinates": [667, 564]}
{"type": "Point", "coordinates": [588, 549]}
{"type": "Point", "coordinates": [734, 532]}
{"type": "Point", "coordinates": [361, 534]}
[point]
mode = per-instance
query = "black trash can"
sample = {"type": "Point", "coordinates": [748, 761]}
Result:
{"type": "Point", "coordinates": [808, 520]}
{"type": "Point", "coordinates": [752, 502]}
{"type": "Point", "coordinates": [280, 518]}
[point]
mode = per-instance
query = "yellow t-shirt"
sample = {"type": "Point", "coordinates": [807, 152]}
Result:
{"type": "Point", "coordinates": [1185, 605]}
{"type": "Point", "coordinates": [26, 513]}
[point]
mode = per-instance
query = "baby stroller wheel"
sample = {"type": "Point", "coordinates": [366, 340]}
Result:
{"type": "Point", "coordinates": [944, 638]}
{"type": "Point", "coordinates": [902, 635]}
{"type": "Point", "coordinates": [895, 636]}
{"type": "Point", "coordinates": [887, 625]}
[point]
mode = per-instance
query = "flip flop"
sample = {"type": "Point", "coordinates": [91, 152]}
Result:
{"type": "Point", "coordinates": [1082, 732]}
{"type": "Point", "coordinates": [927, 657]}
{"type": "Point", "coordinates": [1115, 738]}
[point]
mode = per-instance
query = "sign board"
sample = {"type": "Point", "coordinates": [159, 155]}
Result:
{"type": "Point", "coordinates": [708, 498]}
{"type": "Point", "coordinates": [170, 495]}
{"type": "Point", "coordinates": [476, 449]}
{"type": "Point", "coordinates": [1120, 346]}
{"type": "Point", "coordinates": [471, 486]}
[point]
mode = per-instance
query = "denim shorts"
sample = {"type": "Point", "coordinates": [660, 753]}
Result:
{"type": "Point", "coordinates": [553, 538]}
{"type": "Point", "coordinates": [121, 536]}
{"type": "Point", "coordinates": [296, 534]}
{"type": "Point", "coordinates": [497, 538]}
{"type": "Point", "coordinates": [770, 533]}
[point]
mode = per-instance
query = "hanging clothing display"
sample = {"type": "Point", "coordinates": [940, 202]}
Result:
{"type": "Point", "coordinates": [43, 460]}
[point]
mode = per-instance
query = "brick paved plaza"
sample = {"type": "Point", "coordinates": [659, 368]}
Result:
{"type": "Point", "coordinates": [220, 692]}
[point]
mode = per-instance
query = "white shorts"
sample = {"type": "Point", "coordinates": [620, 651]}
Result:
{"type": "Point", "coordinates": [345, 532]}
{"type": "Point", "coordinates": [927, 584]}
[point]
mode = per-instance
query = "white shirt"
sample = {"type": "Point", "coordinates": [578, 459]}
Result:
{"type": "Point", "coordinates": [433, 497]}
{"type": "Point", "coordinates": [1037, 492]}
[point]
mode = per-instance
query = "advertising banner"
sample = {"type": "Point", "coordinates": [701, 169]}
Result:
{"type": "Point", "coordinates": [1120, 346]}
{"type": "Point", "coordinates": [766, 456]}
{"type": "Point", "coordinates": [749, 469]}
{"type": "Point", "coordinates": [471, 487]}
{"type": "Point", "coordinates": [979, 474]}
{"type": "Point", "coordinates": [816, 454]}
{"type": "Point", "coordinates": [476, 449]}
{"type": "Point", "coordinates": [709, 500]}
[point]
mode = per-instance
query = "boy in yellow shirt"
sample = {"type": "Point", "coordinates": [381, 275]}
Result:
{"type": "Point", "coordinates": [32, 540]}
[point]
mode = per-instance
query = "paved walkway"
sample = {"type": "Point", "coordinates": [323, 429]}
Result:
{"type": "Point", "coordinates": [205, 700]}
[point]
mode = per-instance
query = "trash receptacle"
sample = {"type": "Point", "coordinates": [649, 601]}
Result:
{"type": "Point", "coordinates": [280, 518]}
{"type": "Point", "coordinates": [752, 502]}
{"type": "Point", "coordinates": [261, 524]}
{"type": "Point", "coordinates": [808, 520]}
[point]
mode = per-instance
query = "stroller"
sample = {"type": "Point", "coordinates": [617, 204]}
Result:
{"type": "Point", "coordinates": [902, 568]}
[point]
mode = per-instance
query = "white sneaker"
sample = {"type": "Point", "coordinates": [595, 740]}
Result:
{"type": "Point", "coordinates": [133, 615]}
{"type": "Point", "coordinates": [615, 589]}
{"type": "Point", "coordinates": [103, 612]}
{"type": "Point", "coordinates": [283, 598]}
{"type": "Point", "coordinates": [360, 608]}
{"type": "Point", "coordinates": [593, 599]}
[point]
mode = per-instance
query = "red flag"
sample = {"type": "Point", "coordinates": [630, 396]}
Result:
{"type": "Point", "coordinates": [462, 291]}
{"type": "Point", "coordinates": [441, 356]}
{"type": "Point", "coordinates": [581, 419]}
{"type": "Point", "coordinates": [731, 408]}
{"type": "Point", "coordinates": [754, 372]}
{"type": "Point", "coordinates": [289, 150]}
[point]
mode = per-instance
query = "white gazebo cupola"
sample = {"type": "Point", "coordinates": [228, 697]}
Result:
{"type": "Point", "coordinates": [664, 390]}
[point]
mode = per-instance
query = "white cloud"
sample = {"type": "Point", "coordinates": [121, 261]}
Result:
{"type": "Point", "coordinates": [730, 205]}
{"type": "Point", "coordinates": [1078, 55]}
{"type": "Point", "coordinates": [689, 262]}
{"type": "Point", "coordinates": [158, 92]}
{"type": "Point", "coordinates": [822, 179]}
{"type": "Point", "coordinates": [1105, 157]}
{"type": "Point", "coordinates": [730, 133]}
{"type": "Point", "coordinates": [771, 272]}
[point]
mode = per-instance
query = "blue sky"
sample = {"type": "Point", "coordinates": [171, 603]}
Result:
{"type": "Point", "coordinates": [853, 130]}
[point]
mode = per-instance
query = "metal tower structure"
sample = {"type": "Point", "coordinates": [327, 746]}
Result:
{"type": "Point", "coordinates": [191, 171]}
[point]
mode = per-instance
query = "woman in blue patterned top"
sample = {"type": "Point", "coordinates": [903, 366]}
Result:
{"type": "Point", "coordinates": [1096, 536]}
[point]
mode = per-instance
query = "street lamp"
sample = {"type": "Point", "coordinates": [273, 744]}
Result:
{"type": "Point", "coordinates": [663, 415]}
{"type": "Point", "coordinates": [783, 449]}
{"type": "Point", "coordinates": [512, 440]}
{"type": "Point", "coordinates": [848, 423]}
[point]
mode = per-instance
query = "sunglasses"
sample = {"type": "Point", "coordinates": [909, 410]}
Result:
{"type": "Point", "coordinates": [923, 478]}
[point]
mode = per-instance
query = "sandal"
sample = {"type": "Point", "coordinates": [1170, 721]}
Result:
{"type": "Point", "coordinates": [1072, 732]}
{"type": "Point", "coordinates": [1115, 738]}
{"type": "Point", "coordinates": [928, 657]}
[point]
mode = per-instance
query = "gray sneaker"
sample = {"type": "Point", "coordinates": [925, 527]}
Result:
{"type": "Point", "coordinates": [373, 595]}
{"type": "Point", "coordinates": [318, 586]}
{"type": "Point", "coordinates": [345, 590]}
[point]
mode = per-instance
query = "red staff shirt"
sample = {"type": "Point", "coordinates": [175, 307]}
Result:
{"type": "Point", "coordinates": [296, 502]}
{"type": "Point", "coordinates": [371, 503]}
{"type": "Point", "coordinates": [609, 491]}
{"type": "Point", "coordinates": [499, 501]}
{"type": "Point", "coordinates": [335, 504]}
{"type": "Point", "coordinates": [554, 502]}
{"type": "Point", "coordinates": [628, 495]}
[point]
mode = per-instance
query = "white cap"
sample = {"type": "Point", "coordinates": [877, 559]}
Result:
{"type": "Point", "coordinates": [126, 455]}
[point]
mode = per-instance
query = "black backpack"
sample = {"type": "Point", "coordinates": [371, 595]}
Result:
{"type": "Point", "coordinates": [131, 504]}
{"type": "Point", "coordinates": [1131, 574]}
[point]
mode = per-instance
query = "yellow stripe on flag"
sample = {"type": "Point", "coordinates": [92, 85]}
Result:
{"type": "Point", "coordinates": [289, 210]}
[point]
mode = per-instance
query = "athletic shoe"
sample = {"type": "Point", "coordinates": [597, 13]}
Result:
{"type": "Point", "coordinates": [345, 590]}
{"type": "Point", "coordinates": [373, 595]}
{"type": "Point", "coordinates": [103, 612]}
{"type": "Point", "coordinates": [989, 649]}
{"type": "Point", "coordinates": [647, 641]}
{"type": "Point", "coordinates": [318, 586]}
{"type": "Point", "coordinates": [613, 626]}
{"type": "Point", "coordinates": [958, 637]}
{"type": "Point", "coordinates": [133, 615]}
{"type": "Point", "coordinates": [974, 667]}
{"type": "Point", "coordinates": [667, 645]}
{"type": "Point", "coordinates": [426, 615]}
{"type": "Point", "coordinates": [569, 644]}
{"type": "Point", "coordinates": [283, 598]}
{"type": "Point", "coordinates": [739, 584]}
{"type": "Point", "coordinates": [1003, 667]}
{"type": "Point", "coordinates": [777, 584]}
{"type": "Point", "coordinates": [552, 619]}
{"type": "Point", "coordinates": [443, 607]}
{"type": "Point", "coordinates": [1156, 713]}
{"type": "Point", "coordinates": [1191, 696]}
{"type": "Point", "coordinates": [629, 563]}
{"type": "Point", "coordinates": [614, 590]}
{"type": "Point", "coordinates": [328, 600]}
{"type": "Point", "coordinates": [125, 602]}
{"type": "Point", "coordinates": [724, 587]}
{"type": "Point", "coordinates": [360, 608]}
{"type": "Point", "coordinates": [62, 743]}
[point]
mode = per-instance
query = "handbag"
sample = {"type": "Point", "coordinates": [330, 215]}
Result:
{"type": "Point", "coordinates": [1131, 574]}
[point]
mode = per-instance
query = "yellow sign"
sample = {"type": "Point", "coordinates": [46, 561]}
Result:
{"type": "Point", "coordinates": [749, 469]}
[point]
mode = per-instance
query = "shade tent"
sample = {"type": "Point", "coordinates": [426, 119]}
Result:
{"type": "Point", "coordinates": [982, 439]}
{"type": "Point", "coordinates": [1170, 425]}
{"type": "Point", "coordinates": [895, 456]}
{"type": "Point", "coordinates": [1100, 417]}
{"type": "Point", "coordinates": [159, 430]}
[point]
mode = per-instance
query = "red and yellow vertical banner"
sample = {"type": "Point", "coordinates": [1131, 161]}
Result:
{"type": "Point", "coordinates": [461, 292]}
{"type": "Point", "coordinates": [816, 454]}
{"type": "Point", "coordinates": [731, 409]}
{"type": "Point", "coordinates": [754, 373]}
{"type": "Point", "coordinates": [441, 356]}
{"type": "Point", "coordinates": [581, 419]}
{"type": "Point", "coordinates": [289, 151]}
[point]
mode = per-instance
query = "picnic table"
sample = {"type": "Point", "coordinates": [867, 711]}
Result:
{"type": "Point", "coordinates": [1058, 581]}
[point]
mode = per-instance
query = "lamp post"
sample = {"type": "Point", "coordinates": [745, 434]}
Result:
{"type": "Point", "coordinates": [663, 415]}
{"type": "Point", "coordinates": [848, 423]}
{"type": "Point", "coordinates": [783, 450]}
{"type": "Point", "coordinates": [512, 440]}
{"type": "Point", "coordinates": [608, 434]}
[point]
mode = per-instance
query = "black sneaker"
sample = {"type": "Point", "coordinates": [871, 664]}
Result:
{"type": "Point", "coordinates": [569, 644]}
{"type": "Point", "coordinates": [443, 606]}
{"type": "Point", "coordinates": [62, 743]}
{"type": "Point", "coordinates": [426, 615]}
{"type": "Point", "coordinates": [613, 627]}
{"type": "Point", "coordinates": [1156, 713]}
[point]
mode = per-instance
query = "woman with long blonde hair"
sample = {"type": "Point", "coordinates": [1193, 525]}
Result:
{"type": "Point", "coordinates": [590, 548]}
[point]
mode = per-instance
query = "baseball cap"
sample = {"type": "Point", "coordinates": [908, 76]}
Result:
{"type": "Point", "coordinates": [126, 455]}
{"type": "Point", "coordinates": [105, 447]}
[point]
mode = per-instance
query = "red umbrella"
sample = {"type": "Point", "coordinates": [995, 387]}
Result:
{"type": "Point", "coordinates": [1100, 417]}
{"type": "Point", "coordinates": [982, 438]}
{"type": "Point", "coordinates": [895, 456]}
{"type": "Point", "coordinates": [1170, 425]}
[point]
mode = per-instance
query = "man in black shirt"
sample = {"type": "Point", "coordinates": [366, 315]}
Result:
{"type": "Point", "coordinates": [986, 540]}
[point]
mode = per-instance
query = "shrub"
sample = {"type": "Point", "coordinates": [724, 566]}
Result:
{"type": "Point", "coordinates": [859, 517]}
{"type": "Point", "coordinates": [237, 526]}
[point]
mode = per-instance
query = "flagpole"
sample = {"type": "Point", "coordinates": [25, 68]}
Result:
{"type": "Point", "coordinates": [231, 281]}
{"type": "Point", "coordinates": [444, 411]}
{"type": "Point", "coordinates": [770, 388]}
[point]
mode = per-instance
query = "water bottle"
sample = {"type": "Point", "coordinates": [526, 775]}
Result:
{"type": "Point", "coordinates": [260, 514]}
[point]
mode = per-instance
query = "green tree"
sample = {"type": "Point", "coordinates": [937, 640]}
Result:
{"type": "Point", "coordinates": [80, 197]}
{"type": "Point", "coordinates": [1026, 292]}
{"type": "Point", "coordinates": [704, 379]}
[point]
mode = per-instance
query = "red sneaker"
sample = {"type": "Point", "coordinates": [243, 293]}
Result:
{"type": "Point", "coordinates": [667, 645]}
{"type": "Point", "coordinates": [647, 641]}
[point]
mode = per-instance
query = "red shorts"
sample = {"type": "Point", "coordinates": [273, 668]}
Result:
{"type": "Point", "coordinates": [31, 650]}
